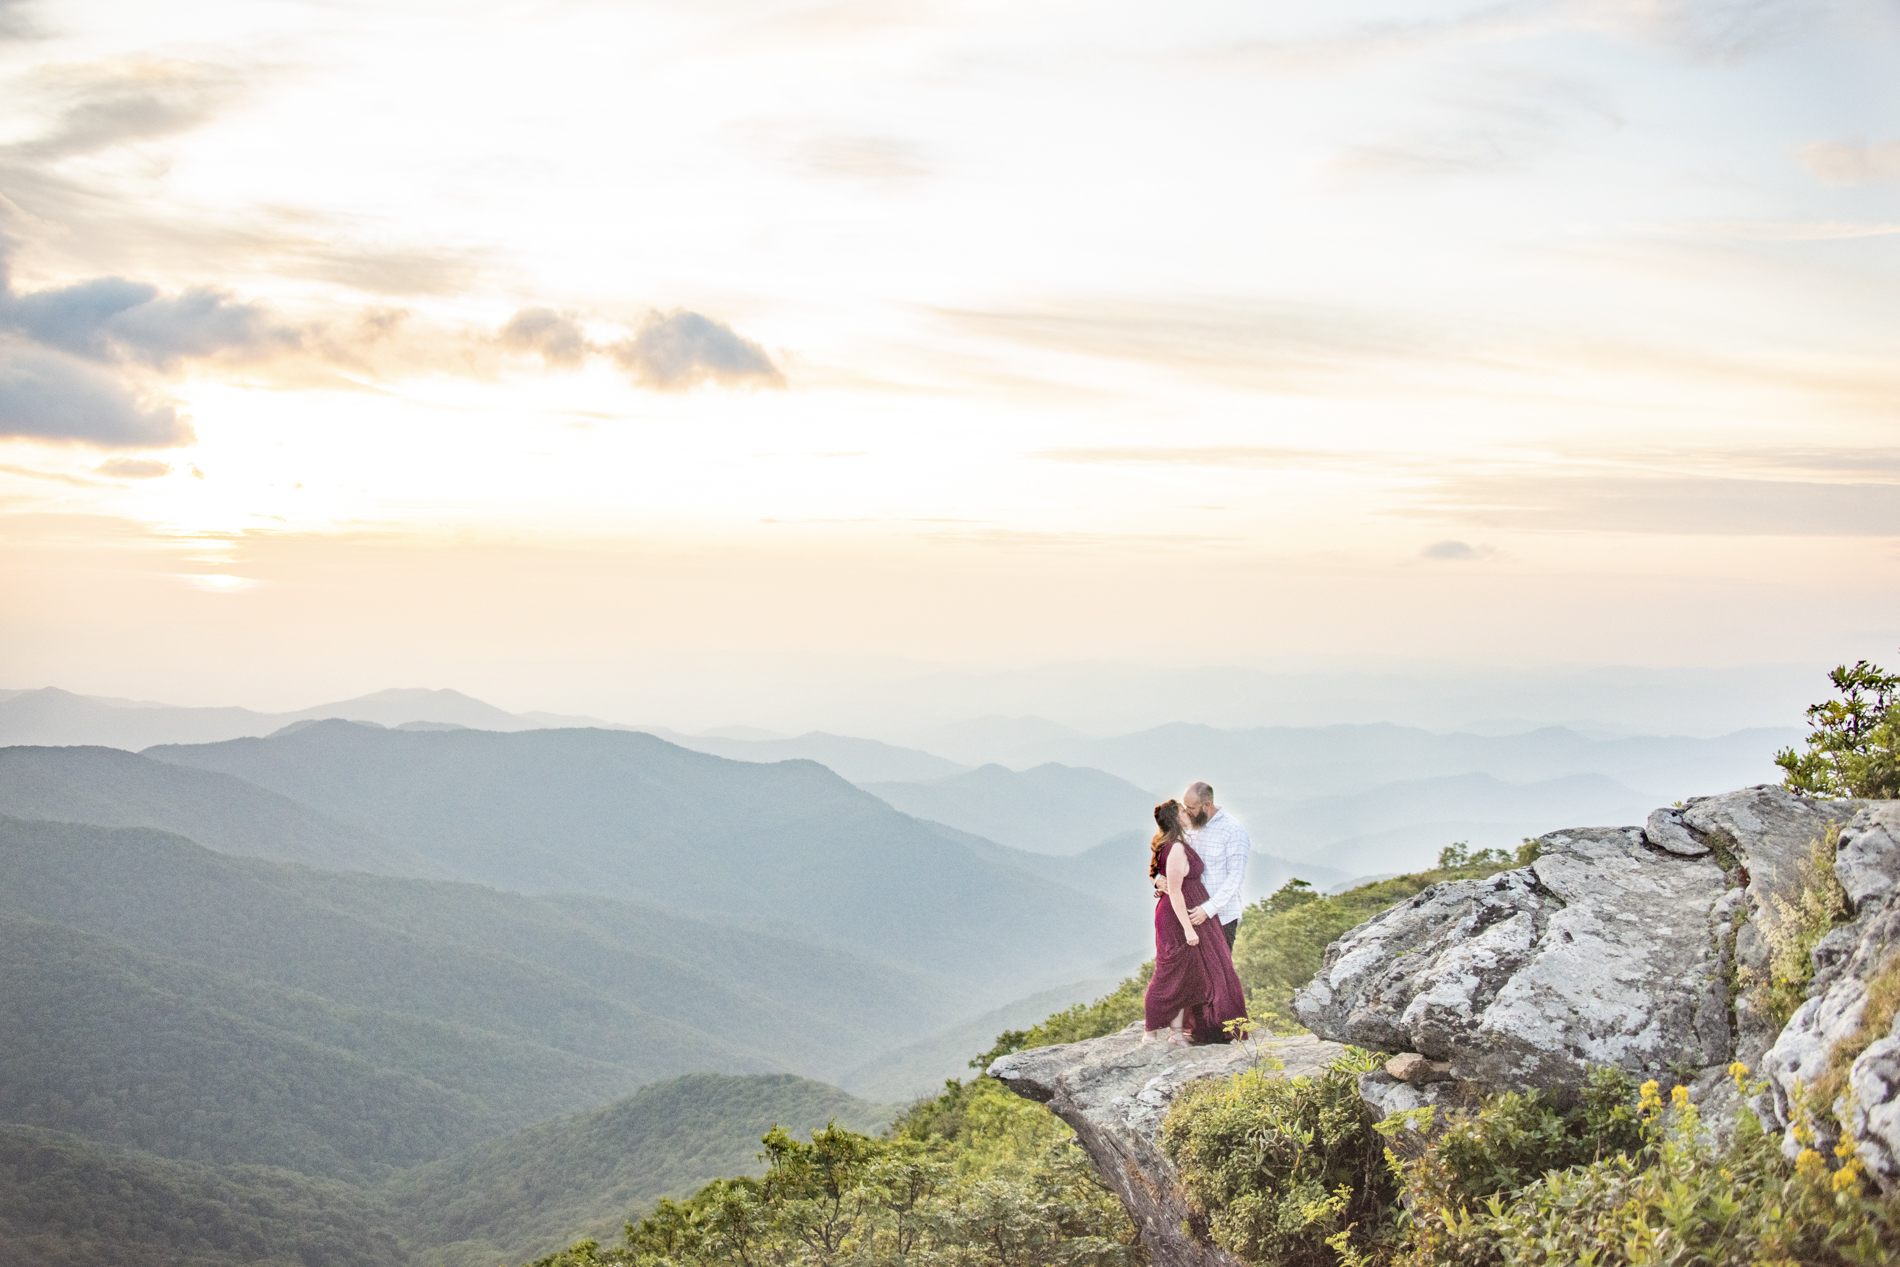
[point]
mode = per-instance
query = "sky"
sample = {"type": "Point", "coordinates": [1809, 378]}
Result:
{"type": "Point", "coordinates": [644, 359]}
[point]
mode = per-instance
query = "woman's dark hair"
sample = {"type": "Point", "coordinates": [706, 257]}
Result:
{"type": "Point", "coordinates": [1168, 819]}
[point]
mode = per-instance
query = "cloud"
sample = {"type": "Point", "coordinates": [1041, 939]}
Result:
{"type": "Point", "coordinates": [48, 395]}
{"type": "Point", "coordinates": [1457, 551]}
{"type": "Point", "coordinates": [111, 318]}
{"type": "Point", "coordinates": [14, 24]}
{"type": "Point", "coordinates": [132, 469]}
{"type": "Point", "coordinates": [1852, 162]}
{"type": "Point", "coordinates": [1372, 40]}
{"type": "Point", "coordinates": [555, 335]}
{"type": "Point", "coordinates": [1786, 230]}
{"type": "Point", "coordinates": [101, 106]}
{"type": "Point", "coordinates": [1667, 505]}
{"type": "Point", "coordinates": [878, 158]}
{"type": "Point", "coordinates": [680, 349]}
{"type": "Point", "coordinates": [1724, 31]}
{"type": "Point", "coordinates": [1232, 455]}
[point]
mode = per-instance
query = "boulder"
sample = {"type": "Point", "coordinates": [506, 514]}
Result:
{"type": "Point", "coordinates": [1616, 946]}
{"type": "Point", "coordinates": [1854, 964]}
{"type": "Point", "coordinates": [1116, 1090]}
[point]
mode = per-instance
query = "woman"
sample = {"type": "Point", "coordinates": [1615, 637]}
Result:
{"type": "Point", "coordinates": [1195, 990]}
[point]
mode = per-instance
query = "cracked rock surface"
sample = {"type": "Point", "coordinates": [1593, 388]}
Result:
{"type": "Point", "coordinates": [1847, 961]}
{"type": "Point", "coordinates": [1115, 1091]}
{"type": "Point", "coordinates": [1614, 947]}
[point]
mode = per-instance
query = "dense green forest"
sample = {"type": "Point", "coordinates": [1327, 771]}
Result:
{"type": "Point", "coordinates": [72, 1202]}
{"type": "Point", "coordinates": [68, 1201]}
{"type": "Point", "coordinates": [514, 1197]}
{"type": "Point", "coordinates": [638, 988]}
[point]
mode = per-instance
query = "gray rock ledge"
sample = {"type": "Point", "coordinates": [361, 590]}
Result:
{"type": "Point", "coordinates": [1615, 947]}
{"type": "Point", "coordinates": [1115, 1091]}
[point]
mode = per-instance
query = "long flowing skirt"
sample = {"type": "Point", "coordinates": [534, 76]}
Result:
{"type": "Point", "coordinates": [1200, 979]}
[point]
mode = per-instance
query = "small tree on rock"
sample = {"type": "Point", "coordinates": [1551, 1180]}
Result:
{"type": "Point", "coordinates": [1855, 748]}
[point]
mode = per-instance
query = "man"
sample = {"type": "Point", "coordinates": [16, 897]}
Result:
{"type": "Point", "coordinates": [1223, 845]}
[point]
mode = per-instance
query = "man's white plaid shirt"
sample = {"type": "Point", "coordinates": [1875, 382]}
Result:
{"type": "Point", "coordinates": [1223, 845]}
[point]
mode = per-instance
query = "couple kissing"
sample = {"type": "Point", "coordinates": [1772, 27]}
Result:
{"type": "Point", "coordinates": [1196, 863]}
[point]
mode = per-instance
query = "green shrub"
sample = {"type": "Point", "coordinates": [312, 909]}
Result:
{"type": "Point", "coordinates": [1855, 747]}
{"type": "Point", "coordinates": [1286, 1170]}
{"type": "Point", "coordinates": [976, 1177]}
{"type": "Point", "coordinates": [1680, 1201]}
{"type": "Point", "coordinates": [1515, 1138]}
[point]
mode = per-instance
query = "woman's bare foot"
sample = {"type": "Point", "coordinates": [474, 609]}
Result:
{"type": "Point", "coordinates": [1179, 1038]}
{"type": "Point", "coordinates": [1148, 1035]}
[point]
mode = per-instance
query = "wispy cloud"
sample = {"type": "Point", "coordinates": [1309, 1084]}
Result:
{"type": "Point", "coordinates": [1663, 505]}
{"type": "Point", "coordinates": [1237, 456]}
{"type": "Point", "coordinates": [1455, 552]}
{"type": "Point", "coordinates": [1723, 31]}
{"type": "Point", "coordinates": [132, 469]}
{"type": "Point", "coordinates": [1291, 345]}
{"type": "Point", "coordinates": [680, 349]}
{"type": "Point", "coordinates": [1785, 230]}
{"type": "Point", "coordinates": [1852, 162]}
{"type": "Point", "coordinates": [97, 107]}
{"type": "Point", "coordinates": [14, 24]}
{"type": "Point", "coordinates": [1367, 41]}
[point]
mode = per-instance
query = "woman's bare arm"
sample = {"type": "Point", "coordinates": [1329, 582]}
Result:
{"type": "Point", "coordinates": [1177, 873]}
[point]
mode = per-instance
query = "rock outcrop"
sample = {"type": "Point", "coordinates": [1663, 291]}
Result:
{"type": "Point", "coordinates": [1115, 1091]}
{"type": "Point", "coordinates": [1847, 1025]}
{"type": "Point", "coordinates": [1647, 948]}
{"type": "Point", "coordinates": [1617, 946]}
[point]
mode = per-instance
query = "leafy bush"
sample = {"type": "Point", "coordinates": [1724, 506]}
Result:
{"type": "Point", "coordinates": [1288, 1171]}
{"type": "Point", "coordinates": [1855, 747]}
{"type": "Point", "coordinates": [1515, 1138]}
{"type": "Point", "coordinates": [975, 1177]}
{"type": "Point", "coordinates": [1680, 1201]}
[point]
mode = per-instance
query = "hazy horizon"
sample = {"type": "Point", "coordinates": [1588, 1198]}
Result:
{"type": "Point", "coordinates": [1101, 700]}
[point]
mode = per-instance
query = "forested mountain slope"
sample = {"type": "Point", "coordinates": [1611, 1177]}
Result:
{"type": "Point", "coordinates": [649, 992]}
{"type": "Point", "coordinates": [122, 789]}
{"type": "Point", "coordinates": [68, 1201]}
{"type": "Point", "coordinates": [627, 815]}
{"type": "Point", "coordinates": [72, 1202]}
{"type": "Point", "coordinates": [549, 1184]}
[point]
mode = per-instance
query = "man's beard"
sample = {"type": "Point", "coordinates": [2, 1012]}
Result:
{"type": "Point", "coordinates": [1199, 820]}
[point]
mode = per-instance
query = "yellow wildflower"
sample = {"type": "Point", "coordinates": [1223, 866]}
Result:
{"type": "Point", "coordinates": [1679, 1096]}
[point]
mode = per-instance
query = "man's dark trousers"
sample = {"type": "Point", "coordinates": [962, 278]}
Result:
{"type": "Point", "coordinates": [1229, 931]}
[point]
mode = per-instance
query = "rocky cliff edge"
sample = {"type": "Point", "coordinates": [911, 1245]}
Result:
{"type": "Point", "coordinates": [1647, 948]}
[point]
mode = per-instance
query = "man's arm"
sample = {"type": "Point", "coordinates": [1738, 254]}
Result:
{"type": "Point", "coordinates": [1235, 846]}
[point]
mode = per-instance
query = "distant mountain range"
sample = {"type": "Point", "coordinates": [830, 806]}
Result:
{"type": "Point", "coordinates": [1049, 809]}
{"type": "Point", "coordinates": [789, 846]}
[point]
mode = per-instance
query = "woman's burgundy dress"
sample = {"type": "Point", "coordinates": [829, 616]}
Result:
{"type": "Point", "coordinates": [1199, 978]}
